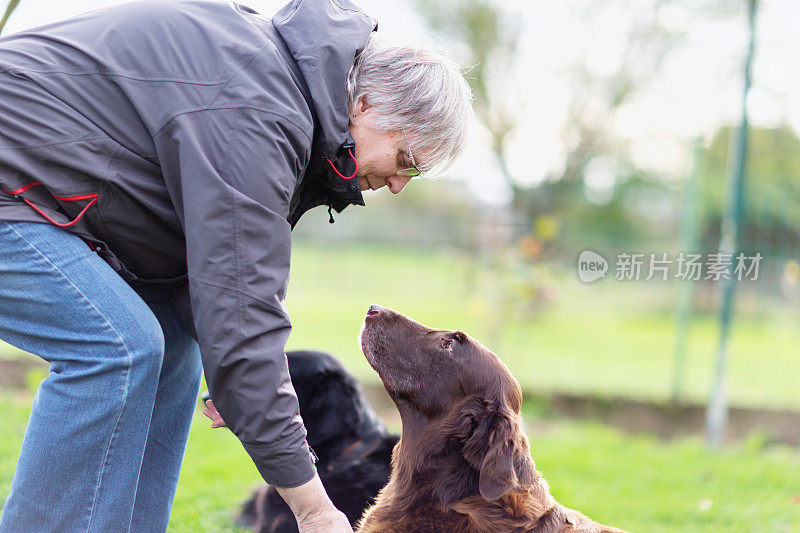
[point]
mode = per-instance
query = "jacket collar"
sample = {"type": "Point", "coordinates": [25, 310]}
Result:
{"type": "Point", "coordinates": [323, 37]}
{"type": "Point", "coordinates": [320, 39]}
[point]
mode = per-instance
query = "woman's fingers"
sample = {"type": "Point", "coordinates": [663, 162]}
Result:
{"type": "Point", "coordinates": [212, 413]}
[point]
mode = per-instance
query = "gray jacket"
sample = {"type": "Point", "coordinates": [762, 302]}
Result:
{"type": "Point", "coordinates": [183, 140]}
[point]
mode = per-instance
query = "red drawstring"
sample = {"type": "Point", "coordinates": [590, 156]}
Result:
{"type": "Point", "coordinates": [92, 197]}
{"type": "Point", "coordinates": [76, 198]}
{"type": "Point", "coordinates": [23, 189]}
{"type": "Point", "coordinates": [339, 173]}
{"type": "Point", "coordinates": [68, 224]}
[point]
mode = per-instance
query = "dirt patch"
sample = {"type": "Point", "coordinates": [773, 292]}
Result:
{"type": "Point", "coordinates": [13, 371]}
{"type": "Point", "coordinates": [667, 421]}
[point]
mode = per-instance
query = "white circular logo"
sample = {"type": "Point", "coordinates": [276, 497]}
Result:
{"type": "Point", "coordinates": [591, 266]}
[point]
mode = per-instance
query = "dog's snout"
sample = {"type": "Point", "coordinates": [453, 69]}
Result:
{"type": "Point", "coordinates": [374, 309]}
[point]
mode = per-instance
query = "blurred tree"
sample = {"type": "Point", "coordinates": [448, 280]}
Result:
{"type": "Point", "coordinates": [772, 221]}
{"type": "Point", "coordinates": [491, 34]}
{"type": "Point", "coordinates": [597, 95]}
{"type": "Point", "coordinates": [490, 30]}
{"type": "Point", "coordinates": [12, 5]}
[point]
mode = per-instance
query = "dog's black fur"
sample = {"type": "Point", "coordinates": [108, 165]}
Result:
{"type": "Point", "coordinates": [353, 445]}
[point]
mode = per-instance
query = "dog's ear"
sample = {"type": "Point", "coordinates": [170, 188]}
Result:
{"type": "Point", "coordinates": [332, 408]}
{"type": "Point", "coordinates": [488, 438]}
{"type": "Point", "coordinates": [498, 450]}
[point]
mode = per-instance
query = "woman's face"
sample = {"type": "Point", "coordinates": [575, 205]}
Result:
{"type": "Point", "coordinates": [380, 154]}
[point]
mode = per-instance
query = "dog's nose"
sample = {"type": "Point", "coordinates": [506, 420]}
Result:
{"type": "Point", "coordinates": [374, 309]}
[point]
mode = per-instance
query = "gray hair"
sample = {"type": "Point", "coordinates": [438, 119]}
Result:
{"type": "Point", "coordinates": [416, 90]}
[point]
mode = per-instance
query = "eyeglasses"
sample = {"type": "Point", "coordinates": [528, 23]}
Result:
{"type": "Point", "coordinates": [412, 171]}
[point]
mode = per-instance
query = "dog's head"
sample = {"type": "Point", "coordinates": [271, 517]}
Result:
{"type": "Point", "coordinates": [334, 409]}
{"type": "Point", "coordinates": [459, 406]}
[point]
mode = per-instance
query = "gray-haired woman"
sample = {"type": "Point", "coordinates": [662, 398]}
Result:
{"type": "Point", "coordinates": [154, 157]}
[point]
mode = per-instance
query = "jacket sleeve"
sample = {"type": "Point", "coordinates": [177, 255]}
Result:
{"type": "Point", "coordinates": [230, 174]}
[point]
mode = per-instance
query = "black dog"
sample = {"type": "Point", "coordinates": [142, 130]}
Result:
{"type": "Point", "coordinates": [353, 445]}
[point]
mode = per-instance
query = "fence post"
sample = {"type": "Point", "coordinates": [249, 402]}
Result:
{"type": "Point", "coordinates": [687, 243]}
{"type": "Point", "coordinates": [717, 411]}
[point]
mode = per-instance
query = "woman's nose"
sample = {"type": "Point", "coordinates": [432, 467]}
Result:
{"type": "Point", "coordinates": [397, 183]}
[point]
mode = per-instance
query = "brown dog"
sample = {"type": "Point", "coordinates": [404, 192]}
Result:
{"type": "Point", "coordinates": [463, 463]}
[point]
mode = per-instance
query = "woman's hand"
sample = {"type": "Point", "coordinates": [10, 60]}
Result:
{"type": "Point", "coordinates": [212, 413]}
{"type": "Point", "coordinates": [313, 509]}
{"type": "Point", "coordinates": [332, 520]}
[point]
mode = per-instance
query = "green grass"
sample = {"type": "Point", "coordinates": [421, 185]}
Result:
{"type": "Point", "coordinates": [640, 484]}
{"type": "Point", "coordinates": [216, 477]}
{"type": "Point", "coordinates": [637, 483]}
{"type": "Point", "coordinates": [606, 338]}
{"type": "Point", "coordinates": [610, 338]}
{"type": "Point", "coordinates": [15, 409]}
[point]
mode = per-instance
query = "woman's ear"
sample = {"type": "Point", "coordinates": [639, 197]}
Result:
{"type": "Point", "coordinates": [361, 105]}
{"type": "Point", "coordinates": [360, 110]}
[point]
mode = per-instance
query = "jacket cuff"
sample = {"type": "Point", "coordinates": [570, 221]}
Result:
{"type": "Point", "coordinates": [286, 463]}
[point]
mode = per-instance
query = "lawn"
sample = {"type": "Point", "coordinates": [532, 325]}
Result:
{"type": "Point", "coordinates": [643, 485]}
{"type": "Point", "coordinates": [608, 338]}
{"type": "Point", "coordinates": [637, 483]}
{"type": "Point", "coordinates": [611, 337]}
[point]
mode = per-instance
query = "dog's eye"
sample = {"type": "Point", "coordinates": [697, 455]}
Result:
{"type": "Point", "coordinates": [447, 344]}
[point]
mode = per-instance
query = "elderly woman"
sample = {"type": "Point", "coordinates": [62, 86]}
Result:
{"type": "Point", "coordinates": [153, 159]}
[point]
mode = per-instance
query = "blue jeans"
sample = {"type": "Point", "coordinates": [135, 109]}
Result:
{"type": "Point", "coordinates": [109, 424]}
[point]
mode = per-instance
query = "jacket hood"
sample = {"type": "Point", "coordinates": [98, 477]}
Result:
{"type": "Point", "coordinates": [324, 37]}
